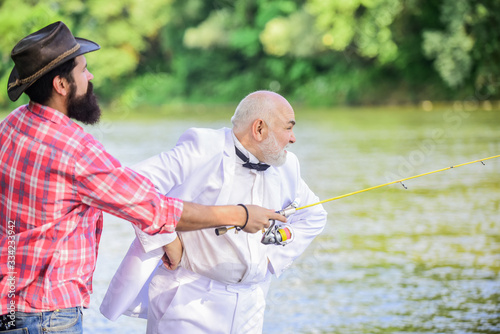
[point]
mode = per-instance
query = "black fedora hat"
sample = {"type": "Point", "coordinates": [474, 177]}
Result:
{"type": "Point", "coordinates": [42, 51]}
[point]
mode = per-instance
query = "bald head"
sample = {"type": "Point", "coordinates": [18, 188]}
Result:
{"type": "Point", "coordinates": [263, 123]}
{"type": "Point", "coordinates": [262, 104]}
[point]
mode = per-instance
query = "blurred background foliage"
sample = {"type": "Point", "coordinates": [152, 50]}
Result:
{"type": "Point", "coordinates": [318, 52]}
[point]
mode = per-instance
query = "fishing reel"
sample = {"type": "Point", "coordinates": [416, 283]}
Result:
{"type": "Point", "coordinates": [277, 234]}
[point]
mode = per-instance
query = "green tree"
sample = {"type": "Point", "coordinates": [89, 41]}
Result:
{"type": "Point", "coordinates": [123, 28]}
{"type": "Point", "coordinates": [314, 51]}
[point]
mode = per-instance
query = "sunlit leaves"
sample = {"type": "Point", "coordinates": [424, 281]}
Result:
{"type": "Point", "coordinates": [360, 23]}
{"type": "Point", "coordinates": [121, 27]}
{"type": "Point", "coordinates": [275, 37]}
{"type": "Point", "coordinates": [450, 51]}
{"type": "Point", "coordinates": [451, 48]}
{"type": "Point", "coordinates": [336, 18]}
{"type": "Point", "coordinates": [28, 18]}
{"type": "Point", "coordinates": [334, 51]}
{"type": "Point", "coordinates": [111, 63]}
{"type": "Point", "coordinates": [210, 33]}
{"type": "Point", "coordinates": [293, 35]}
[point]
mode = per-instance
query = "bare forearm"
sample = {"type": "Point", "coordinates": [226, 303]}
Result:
{"type": "Point", "coordinates": [196, 217]}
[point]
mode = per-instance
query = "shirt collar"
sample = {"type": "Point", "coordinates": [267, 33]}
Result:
{"type": "Point", "coordinates": [240, 147]}
{"type": "Point", "coordinates": [50, 114]}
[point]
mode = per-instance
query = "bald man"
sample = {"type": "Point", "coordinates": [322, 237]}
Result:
{"type": "Point", "coordinates": [222, 280]}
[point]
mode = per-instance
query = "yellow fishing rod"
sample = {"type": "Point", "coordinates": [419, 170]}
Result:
{"type": "Point", "coordinates": [282, 235]}
{"type": "Point", "coordinates": [397, 181]}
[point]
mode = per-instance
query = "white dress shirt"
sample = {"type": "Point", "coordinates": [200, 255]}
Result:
{"type": "Point", "coordinates": [233, 257]}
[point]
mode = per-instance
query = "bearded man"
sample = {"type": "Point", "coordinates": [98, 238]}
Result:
{"type": "Point", "coordinates": [55, 181]}
{"type": "Point", "coordinates": [222, 281]}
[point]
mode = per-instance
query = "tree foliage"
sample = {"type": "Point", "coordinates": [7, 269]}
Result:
{"type": "Point", "coordinates": [315, 51]}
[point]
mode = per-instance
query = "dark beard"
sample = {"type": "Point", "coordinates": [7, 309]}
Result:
{"type": "Point", "coordinates": [84, 108]}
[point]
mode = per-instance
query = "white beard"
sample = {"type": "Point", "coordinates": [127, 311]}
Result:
{"type": "Point", "coordinates": [272, 153]}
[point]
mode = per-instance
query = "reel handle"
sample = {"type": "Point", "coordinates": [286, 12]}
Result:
{"type": "Point", "coordinates": [222, 230]}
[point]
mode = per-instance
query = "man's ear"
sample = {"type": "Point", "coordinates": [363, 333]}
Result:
{"type": "Point", "coordinates": [61, 85]}
{"type": "Point", "coordinates": [259, 130]}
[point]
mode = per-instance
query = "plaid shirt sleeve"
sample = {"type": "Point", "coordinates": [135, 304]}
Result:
{"type": "Point", "coordinates": [104, 184]}
{"type": "Point", "coordinates": [55, 181]}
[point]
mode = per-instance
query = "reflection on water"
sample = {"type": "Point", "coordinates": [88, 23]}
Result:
{"type": "Point", "coordinates": [421, 260]}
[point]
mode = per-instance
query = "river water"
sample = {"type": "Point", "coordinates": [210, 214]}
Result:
{"type": "Point", "coordinates": [420, 260]}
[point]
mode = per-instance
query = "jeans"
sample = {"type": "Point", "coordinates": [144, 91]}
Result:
{"type": "Point", "coordinates": [63, 321]}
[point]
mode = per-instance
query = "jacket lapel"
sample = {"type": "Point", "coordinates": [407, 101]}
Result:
{"type": "Point", "coordinates": [228, 161]}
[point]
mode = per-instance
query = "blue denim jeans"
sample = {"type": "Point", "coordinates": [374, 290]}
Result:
{"type": "Point", "coordinates": [63, 321]}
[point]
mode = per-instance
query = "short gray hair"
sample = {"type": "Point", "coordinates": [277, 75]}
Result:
{"type": "Point", "coordinates": [255, 105]}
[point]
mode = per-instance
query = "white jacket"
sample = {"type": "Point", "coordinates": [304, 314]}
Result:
{"type": "Point", "coordinates": [200, 169]}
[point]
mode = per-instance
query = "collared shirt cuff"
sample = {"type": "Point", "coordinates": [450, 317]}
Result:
{"type": "Point", "coordinates": [168, 217]}
{"type": "Point", "coordinates": [152, 242]}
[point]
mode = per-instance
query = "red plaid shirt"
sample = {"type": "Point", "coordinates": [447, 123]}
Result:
{"type": "Point", "coordinates": [55, 179]}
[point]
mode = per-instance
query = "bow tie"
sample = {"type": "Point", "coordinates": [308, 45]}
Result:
{"type": "Point", "coordinates": [248, 164]}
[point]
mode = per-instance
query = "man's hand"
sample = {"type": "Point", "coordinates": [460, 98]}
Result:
{"type": "Point", "coordinates": [258, 218]}
{"type": "Point", "coordinates": [173, 254]}
{"type": "Point", "coordinates": [197, 216]}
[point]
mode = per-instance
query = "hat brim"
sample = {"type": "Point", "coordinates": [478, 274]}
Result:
{"type": "Point", "coordinates": [86, 46]}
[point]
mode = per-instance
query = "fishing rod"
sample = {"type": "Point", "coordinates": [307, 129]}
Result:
{"type": "Point", "coordinates": [397, 181]}
{"type": "Point", "coordinates": [280, 235]}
